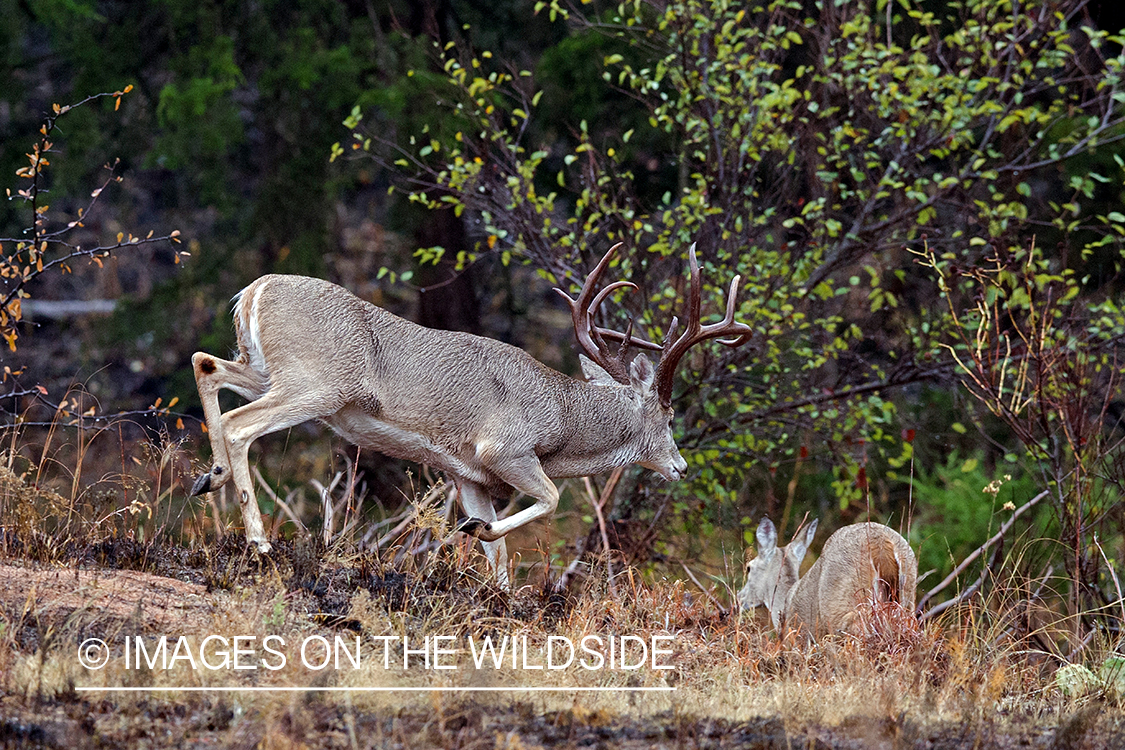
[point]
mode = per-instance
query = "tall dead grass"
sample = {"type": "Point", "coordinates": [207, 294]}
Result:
{"type": "Point", "coordinates": [59, 505]}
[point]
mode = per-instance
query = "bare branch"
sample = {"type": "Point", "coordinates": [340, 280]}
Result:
{"type": "Point", "coordinates": [975, 554]}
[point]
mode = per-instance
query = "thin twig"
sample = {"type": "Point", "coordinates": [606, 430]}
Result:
{"type": "Point", "coordinates": [1113, 575]}
{"type": "Point", "coordinates": [572, 568]}
{"type": "Point", "coordinates": [325, 494]}
{"type": "Point", "coordinates": [706, 593]}
{"type": "Point", "coordinates": [974, 555]}
{"type": "Point", "coordinates": [972, 589]}
{"type": "Point", "coordinates": [599, 504]}
{"type": "Point", "coordinates": [283, 504]}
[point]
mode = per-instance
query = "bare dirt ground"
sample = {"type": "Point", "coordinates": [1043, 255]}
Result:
{"type": "Point", "coordinates": [60, 593]}
{"type": "Point", "coordinates": [117, 589]}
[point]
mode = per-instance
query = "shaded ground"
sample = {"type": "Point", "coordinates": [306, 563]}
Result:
{"type": "Point", "coordinates": [121, 586]}
{"type": "Point", "coordinates": [310, 722]}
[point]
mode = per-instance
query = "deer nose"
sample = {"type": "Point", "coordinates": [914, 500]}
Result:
{"type": "Point", "coordinates": [679, 468]}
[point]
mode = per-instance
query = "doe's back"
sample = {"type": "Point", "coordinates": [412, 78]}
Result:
{"type": "Point", "coordinates": [860, 567]}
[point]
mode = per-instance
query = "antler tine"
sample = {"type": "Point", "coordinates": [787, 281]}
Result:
{"type": "Point", "coordinates": [694, 332]}
{"type": "Point", "coordinates": [606, 333]}
{"type": "Point", "coordinates": [671, 332]}
{"type": "Point", "coordinates": [623, 350]}
{"type": "Point", "coordinates": [589, 336]}
{"type": "Point", "coordinates": [599, 333]}
{"type": "Point", "coordinates": [591, 283]}
{"type": "Point", "coordinates": [600, 298]}
{"type": "Point", "coordinates": [732, 299]}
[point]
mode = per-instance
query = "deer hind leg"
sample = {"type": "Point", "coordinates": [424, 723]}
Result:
{"type": "Point", "coordinates": [212, 375]}
{"type": "Point", "coordinates": [242, 426]}
{"type": "Point", "coordinates": [478, 506]}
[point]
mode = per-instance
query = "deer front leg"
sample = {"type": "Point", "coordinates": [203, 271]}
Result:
{"type": "Point", "coordinates": [478, 506]}
{"type": "Point", "coordinates": [524, 473]}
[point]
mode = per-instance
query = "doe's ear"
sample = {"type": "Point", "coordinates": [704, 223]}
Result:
{"type": "Point", "coordinates": [767, 537]}
{"type": "Point", "coordinates": [641, 373]}
{"type": "Point", "coordinates": [801, 543]}
{"type": "Point", "coordinates": [594, 373]}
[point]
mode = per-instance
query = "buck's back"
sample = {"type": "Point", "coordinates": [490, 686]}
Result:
{"type": "Point", "coordinates": [414, 392]}
{"type": "Point", "coordinates": [309, 325]}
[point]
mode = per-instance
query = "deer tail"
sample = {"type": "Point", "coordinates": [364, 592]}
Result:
{"type": "Point", "coordinates": [885, 584]}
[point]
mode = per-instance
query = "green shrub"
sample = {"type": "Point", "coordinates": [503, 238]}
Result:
{"type": "Point", "coordinates": [955, 507]}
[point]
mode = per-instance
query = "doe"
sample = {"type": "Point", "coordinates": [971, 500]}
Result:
{"type": "Point", "coordinates": [862, 566]}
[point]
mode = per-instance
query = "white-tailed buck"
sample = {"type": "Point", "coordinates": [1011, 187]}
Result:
{"type": "Point", "coordinates": [861, 567]}
{"type": "Point", "coordinates": [482, 411]}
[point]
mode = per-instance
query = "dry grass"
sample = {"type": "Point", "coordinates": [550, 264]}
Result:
{"type": "Point", "coordinates": [981, 674]}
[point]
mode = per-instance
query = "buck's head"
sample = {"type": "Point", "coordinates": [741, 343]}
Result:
{"type": "Point", "coordinates": [654, 444]}
{"type": "Point", "coordinates": [653, 386]}
{"type": "Point", "coordinates": [773, 572]}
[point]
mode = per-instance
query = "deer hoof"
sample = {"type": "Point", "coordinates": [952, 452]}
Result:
{"type": "Point", "coordinates": [474, 526]}
{"type": "Point", "coordinates": [202, 484]}
{"type": "Point", "coordinates": [262, 546]}
{"type": "Point", "coordinates": [208, 482]}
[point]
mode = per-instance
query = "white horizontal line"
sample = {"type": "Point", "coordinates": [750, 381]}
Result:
{"type": "Point", "coordinates": [290, 689]}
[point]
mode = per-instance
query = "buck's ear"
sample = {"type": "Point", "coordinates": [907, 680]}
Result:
{"type": "Point", "coordinates": [594, 373]}
{"type": "Point", "coordinates": [641, 373]}
{"type": "Point", "coordinates": [767, 537]}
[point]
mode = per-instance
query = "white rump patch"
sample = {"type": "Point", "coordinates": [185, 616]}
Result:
{"type": "Point", "coordinates": [249, 331]}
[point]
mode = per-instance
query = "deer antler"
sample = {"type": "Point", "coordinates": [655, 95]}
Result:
{"type": "Point", "coordinates": [590, 337]}
{"type": "Point", "coordinates": [694, 333]}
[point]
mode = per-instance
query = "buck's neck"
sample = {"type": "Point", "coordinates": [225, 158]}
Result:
{"type": "Point", "coordinates": [601, 427]}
